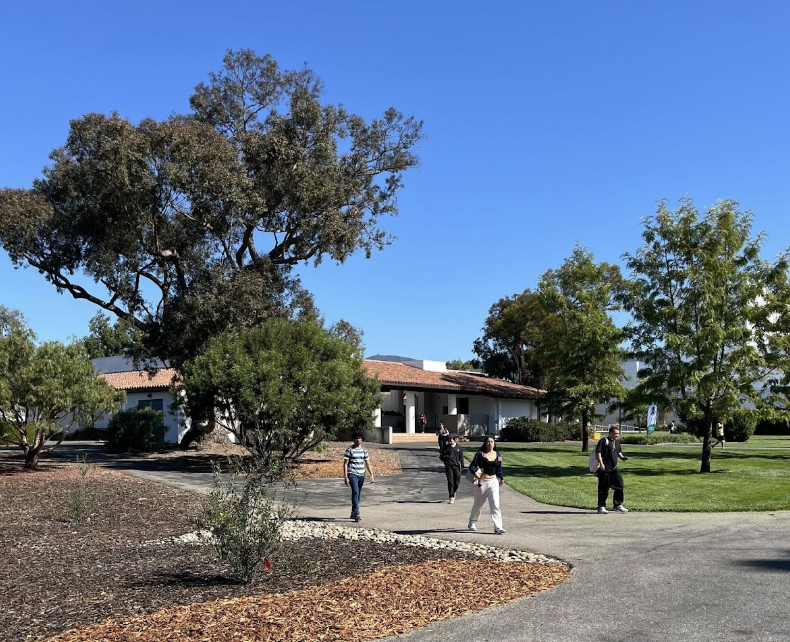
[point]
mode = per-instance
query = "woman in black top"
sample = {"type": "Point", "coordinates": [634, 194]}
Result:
{"type": "Point", "coordinates": [487, 468]}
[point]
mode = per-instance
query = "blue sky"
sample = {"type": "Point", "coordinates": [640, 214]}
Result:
{"type": "Point", "coordinates": [546, 123]}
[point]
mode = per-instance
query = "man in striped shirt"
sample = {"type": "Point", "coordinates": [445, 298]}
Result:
{"type": "Point", "coordinates": [355, 461]}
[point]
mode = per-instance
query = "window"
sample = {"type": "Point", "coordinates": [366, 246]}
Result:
{"type": "Point", "coordinates": [463, 406]}
{"type": "Point", "coordinates": [153, 404]}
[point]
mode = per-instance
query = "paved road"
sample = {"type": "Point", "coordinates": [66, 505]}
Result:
{"type": "Point", "coordinates": [640, 577]}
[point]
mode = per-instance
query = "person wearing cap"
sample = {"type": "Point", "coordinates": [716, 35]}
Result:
{"type": "Point", "coordinates": [453, 457]}
{"type": "Point", "coordinates": [355, 460]}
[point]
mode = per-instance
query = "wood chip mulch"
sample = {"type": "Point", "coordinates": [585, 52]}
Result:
{"type": "Point", "coordinates": [389, 602]}
{"type": "Point", "coordinates": [65, 578]}
{"type": "Point", "coordinates": [312, 465]}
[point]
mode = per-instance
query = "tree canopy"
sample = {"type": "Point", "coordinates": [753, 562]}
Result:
{"type": "Point", "coordinates": [580, 347]}
{"type": "Point", "coordinates": [46, 389]}
{"type": "Point", "coordinates": [281, 388]}
{"type": "Point", "coordinates": [510, 334]}
{"type": "Point", "coordinates": [710, 317]}
{"type": "Point", "coordinates": [189, 226]}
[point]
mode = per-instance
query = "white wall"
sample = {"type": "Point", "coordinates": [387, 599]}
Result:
{"type": "Point", "coordinates": [512, 408]}
{"type": "Point", "coordinates": [176, 424]}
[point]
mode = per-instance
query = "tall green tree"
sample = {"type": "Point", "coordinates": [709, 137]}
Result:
{"type": "Point", "coordinates": [46, 389]}
{"type": "Point", "coordinates": [580, 349]}
{"type": "Point", "coordinates": [709, 317]}
{"type": "Point", "coordinates": [510, 335]}
{"type": "Point", "coordinates": [189, 226]}
{"type": "Point", "coordinates": [106, 339]}
{"type": "Point", "coordinates": [281, 388]}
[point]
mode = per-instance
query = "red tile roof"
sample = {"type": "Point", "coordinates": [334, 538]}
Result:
{"type": "Point", "coordinates": [141, 380]}
{"type": "Point", "coordinates": [392, 374]}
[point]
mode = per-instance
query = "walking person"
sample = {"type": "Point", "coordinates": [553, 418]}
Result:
{"type": "Point", "coordinates": [608, 452]}
{"type": "Point", "coordinates": [487, 468]}
{"type": "Point", "coordinates": [355, 461]}
{"type": "Point", "coordinates": [453, 457]}
{"type": "Point", "coordinates": [719, 436]}
{"type": "Point", "coordinates": [421, 421]}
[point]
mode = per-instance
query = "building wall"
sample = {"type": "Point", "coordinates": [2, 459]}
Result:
{"type": "Point", "coordinates": [513, 408]}
{"type": "Point", "coordinates": [176, 424]}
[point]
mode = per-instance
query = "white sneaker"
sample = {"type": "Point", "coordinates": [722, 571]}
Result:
{"type": "Point", "coordinates": [452, 500]}
{"type": "Point", "coordinates": [620, 509]}
{"type": "Point", "coordinates": [472, 526]}
{"type": "Point", "coordinates": [499, 531]}
{"type": "Point", "coordinates": [602, 510]}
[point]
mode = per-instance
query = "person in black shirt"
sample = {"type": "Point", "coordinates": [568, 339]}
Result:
{"type": "Point", "coordinates": [453, 458]}
{"type": "Point", "coordinates": [487, 468]}
{"type": "Point", "coordinates": [609, 452]}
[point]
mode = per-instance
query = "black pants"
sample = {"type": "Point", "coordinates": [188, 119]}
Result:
{"type": "Point", "coordinates": [610, 479]}
{"type": "Point", "coordinates": [453, 474]}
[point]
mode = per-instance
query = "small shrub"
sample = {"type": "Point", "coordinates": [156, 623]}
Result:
{"type": "Point", "coordinates": [78, 504]}
{"type": "Point", "coordinates": [523, 429]}
{"type": "Point", "coordinates": [244, 521]}
{"type": "Point", "coordinates": [136, 429]}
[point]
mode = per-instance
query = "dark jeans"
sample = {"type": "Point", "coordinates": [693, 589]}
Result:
{"type": "Point", "coordinates": [356, 482]}
{"type": "Point", "coordinates": [453, 474]}
{"type": "Point", "coordinates": [610, 479]}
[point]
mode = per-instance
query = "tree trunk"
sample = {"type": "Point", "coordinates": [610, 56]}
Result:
{"type": "Point", "coordinates": [706, 450]}
{"type": "Point", "coordinates": [31, 458]}
{"type": "Point", "coordinates": [585, 432]}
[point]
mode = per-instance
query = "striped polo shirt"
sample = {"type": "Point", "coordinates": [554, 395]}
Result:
{"type": "Point", "coordinates": [356, 460]}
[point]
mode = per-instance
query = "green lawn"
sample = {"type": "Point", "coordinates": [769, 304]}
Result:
{"type": "Point", "coordinates": [745, 477]}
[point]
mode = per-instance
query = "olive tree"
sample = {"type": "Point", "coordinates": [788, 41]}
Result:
{"type": "Point", "coordinates": [45, 390]}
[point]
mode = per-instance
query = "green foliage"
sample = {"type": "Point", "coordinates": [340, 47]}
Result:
{"type": "Point", "coordinates": [281, 388]}
{"type": "Point", "coordinates": [192, 225]}
{"type": "Point", "coordinates": [709, 317]}
{"type": "Point", "coordinates": [46, 390]}
{"type": "Point", "coordinates": [106, 340]}
{"type": "Point", "coordinates": [580, 347]}
{"type": "Point", "coordinates": [524, 429]}
{"type": "Point", "coordinates": [510, 335]}
{"type": "Point", "coordinates": [457, 364]}
{"type": "Point", "coordinates": [244, 521]}
{"type": "Point", "coordinates": [136, 430]}
{"type": "Point", "coordinates": [740, 426]}
{"type": "Point", "coordinates": [769, 427]}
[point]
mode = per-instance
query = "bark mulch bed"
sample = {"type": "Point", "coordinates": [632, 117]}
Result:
{"type": "Point", "coordinates": [115, 576]}
{"type": "Point", "coordinates": [314, 465]}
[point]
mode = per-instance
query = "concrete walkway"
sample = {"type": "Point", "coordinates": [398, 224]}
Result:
{"type": "Point", "coordinates": [640, 577]}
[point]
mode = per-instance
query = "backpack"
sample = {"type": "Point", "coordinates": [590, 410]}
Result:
{"type": "Point", "coordinates": [594, 465]}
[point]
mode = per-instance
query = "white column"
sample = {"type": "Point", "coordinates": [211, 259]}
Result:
{"type": "Point", "coordinates": [452, 405]}
{"type": "Point", "coordinates": [377, 417]}
{"type": "Point", "coordinates": [408, 402]}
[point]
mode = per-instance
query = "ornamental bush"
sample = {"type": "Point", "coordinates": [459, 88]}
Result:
{"type": "Point", "coordinates": [741, 426]}
{"type": "Point", "coordinates": [524, 429]}
{"type": "Point", "coordinates": [136, 429]}
{"type": "Point", "coordinates": [244, 520]}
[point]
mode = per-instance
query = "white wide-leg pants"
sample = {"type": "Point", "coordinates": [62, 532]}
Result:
{"type": "Point", "coordinates": [488, 489]}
